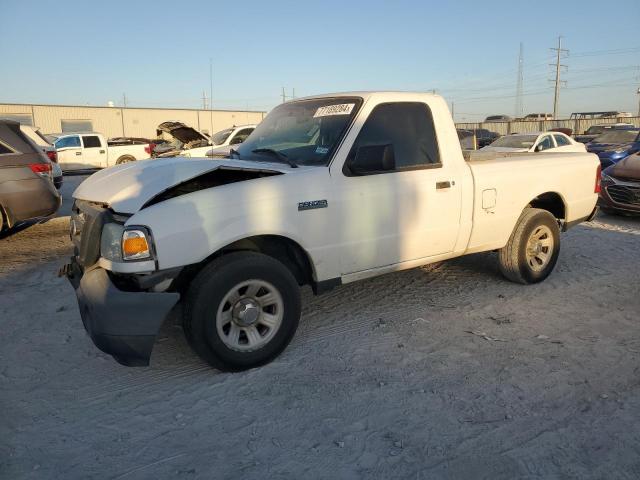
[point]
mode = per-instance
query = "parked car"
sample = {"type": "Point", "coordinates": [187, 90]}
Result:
{"type": "Point", "coordinates": [595, 130]}
{"type": "Point", "coordinates": [621, 186]}
{"type": "Point", "coordinates": [616, 114]}
{"type": "Point", "coordinates": [190, 142]}
{"type": "Point", "coordinates": [483, 137]}
{"type": "Point", "coordinates": [26, 186]}
{"type": "Point", "coordinates": [80, 151]}
{"type": "Point", "coordinates": [47, 147]}
{"type": "Point", "coordinates": [613, 145]}
{"type": "Point", "coordinates": [327, 190]}
{"type": "Point", "coordinates": [536, 142]}
{"type": "Point", "coordinates": [498, 118]}
{"type": "Point", "coordinates": [538, 116]}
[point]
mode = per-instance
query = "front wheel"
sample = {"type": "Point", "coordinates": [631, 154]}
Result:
{"type": "Point", "coordinates": [241, 311]}
{"type": "Point", "coordinates": [533, 248]}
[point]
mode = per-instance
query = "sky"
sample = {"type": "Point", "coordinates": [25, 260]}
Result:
{"type": "Point", "coordinates": [158, 53]}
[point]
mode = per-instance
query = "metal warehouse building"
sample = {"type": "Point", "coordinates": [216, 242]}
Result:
{"type": "Point", "coordinates": [122, 122]}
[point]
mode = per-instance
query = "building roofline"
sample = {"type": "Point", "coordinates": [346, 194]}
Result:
{"type": "Point", "coordinates": [126, 108]}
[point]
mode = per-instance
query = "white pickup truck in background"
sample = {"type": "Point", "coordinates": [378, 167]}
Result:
{"type": "Point", "coordinates": [327, 190]}
{"type": "Point", "coordinates": [79, 151]}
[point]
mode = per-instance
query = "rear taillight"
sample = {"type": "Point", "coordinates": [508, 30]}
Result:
{"type": "Point", "coordinates": [53, 156]}
{"type": "Point", "coordinates": [42, 169]}
{"type": "Point", "coordinates": [598, 186]}
{"type": "Point", "coordinates": [149, 148]}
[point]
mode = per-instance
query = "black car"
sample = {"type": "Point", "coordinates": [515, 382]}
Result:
{"type": "Point", "coordinates": [484, 137]}
{"type": "Point", "coordinates": [595, 130]}
{"type": "Point", "coordinates": [26, 181]}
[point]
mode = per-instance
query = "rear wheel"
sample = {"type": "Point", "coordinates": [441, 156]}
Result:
{"type": "Point", "coordinates": [125, 159]}
{"type": "Point", "coordinates": [533, 248]}
{"type": "Point", "coordinates": [241, 311]}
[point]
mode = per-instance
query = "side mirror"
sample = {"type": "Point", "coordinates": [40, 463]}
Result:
{"type": "Point", "coordinates": [539, 148]}
{"type": "Point", "coordinates": [373, 159]}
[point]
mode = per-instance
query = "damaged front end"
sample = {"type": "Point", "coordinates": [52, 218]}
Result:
{"type": "Point", "coordinates": [123, 294]}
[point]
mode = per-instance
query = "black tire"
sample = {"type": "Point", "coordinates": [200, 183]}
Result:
{"type": "Point", "coordinates": [125, 159]}
{"type": "Point", "coordinates": [208, 290]}
{"type": "Point", "coordinates": [513, 256]}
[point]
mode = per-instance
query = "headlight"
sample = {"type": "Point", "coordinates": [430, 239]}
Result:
{"type": "Point", "coordinates": [135, 245]}
{"type": "Point", "coordinates": [118, 244]}
{"type": "Point", "coordinates": [111, 242]}
{"type": "Point", "coordinates": [606, 178]}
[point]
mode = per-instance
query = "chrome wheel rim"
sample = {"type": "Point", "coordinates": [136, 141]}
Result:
{"type": "Point", "coordinates": [539, 248]}
{"type": "Point", "coordinates": [249, 315]}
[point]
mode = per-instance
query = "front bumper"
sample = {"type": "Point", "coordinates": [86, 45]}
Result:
{"type": "Point", "coordinates": [621, 196]}
{"type": "Point", "coordinates": [121, 323]}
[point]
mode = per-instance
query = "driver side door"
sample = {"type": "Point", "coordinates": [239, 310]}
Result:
{"type": "Point", "coordinates": [69, 151]}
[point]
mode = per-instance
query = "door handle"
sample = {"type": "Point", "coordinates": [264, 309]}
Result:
{"type": "Point", "coordinates": [101, 151]}
{"type": "Point", "coordinates": [78, 153]}
{"type": "Point", "coordinates": [443, 185]}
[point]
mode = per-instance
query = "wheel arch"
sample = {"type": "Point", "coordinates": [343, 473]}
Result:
{"type": "Point", "coordinates": [552, 202]}
{"type": "Point", "coordinates": [125, 158]}
{"type": "Point", "coordinates": [284, 249]}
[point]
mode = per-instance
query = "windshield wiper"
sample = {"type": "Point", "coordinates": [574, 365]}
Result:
{"type": "Point", "coordinates": [279, 155]}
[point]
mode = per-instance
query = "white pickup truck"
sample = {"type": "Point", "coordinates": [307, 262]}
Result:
{"type": "Point", "coordinates": [327, 190]}
{"type": "Point", "coordinates": [79, 151]}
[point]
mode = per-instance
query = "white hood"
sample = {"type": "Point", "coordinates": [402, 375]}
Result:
{"type": "Point", "coordinates": [489, 148]}
{"type": "Point", "coordinates": [126, 188]}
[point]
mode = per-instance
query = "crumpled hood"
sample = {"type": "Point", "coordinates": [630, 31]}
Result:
{"type": "Point", "coordinates": [127, 187]}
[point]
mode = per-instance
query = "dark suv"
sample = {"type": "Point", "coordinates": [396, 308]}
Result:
{"type": "Point", "coordinates": [26, 182]}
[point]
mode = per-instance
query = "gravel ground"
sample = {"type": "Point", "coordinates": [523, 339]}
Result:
{"type": "Point", "coordinates": [446, 371]}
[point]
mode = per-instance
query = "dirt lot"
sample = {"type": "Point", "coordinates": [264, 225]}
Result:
{"type": "Point", "coordinates": [383, 379]}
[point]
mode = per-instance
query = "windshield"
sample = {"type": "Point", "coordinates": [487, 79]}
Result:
{"type": "Point", "coordinates": [617, 136]}
{"type": "Point", "coordinates": [307, 132]}
{"type": "Point", "coordinates": [515, 141]}
{"type": "Point", "coordinates": [220, 137]}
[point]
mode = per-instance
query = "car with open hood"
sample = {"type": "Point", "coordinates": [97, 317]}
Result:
{"type": "Point", "coordinates": [614, 145]}
{"type": "Point", "coordinates": [327, 190]}
{"type": "Point", "coordinates": [621, 186]}
{"type": "Point", "coordinates": [189, 142]}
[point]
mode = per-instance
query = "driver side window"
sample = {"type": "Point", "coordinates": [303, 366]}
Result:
{"type": "Point", "coordinates": [67, 142]}
{"type": "Point", "coordinates": [404, 128]}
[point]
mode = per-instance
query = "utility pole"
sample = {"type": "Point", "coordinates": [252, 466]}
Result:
{"type": "Point", "coordinates": [124, 100]}
{"type": "Point", "coordinates": [452, 111]}
{"type": "Point", "coordinates": [638, 92]}
{"type": "Point", "coordinates": [559, 51]}
{"type": "Point", "coordinates": [285, 96]}
{"type": "Point", "coordinates": [205, 103]}
{"type": "Point", "coordinates": [519, 84]}
{"type": "Point", "coordinates": [210, 96]}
